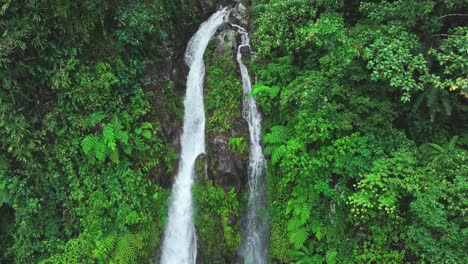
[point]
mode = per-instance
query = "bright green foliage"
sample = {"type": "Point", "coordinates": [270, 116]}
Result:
{"type": "Point", "coordinates": [438, 231]}
{"type": "Point", "coordinates": [81, 149]}
{"type": "Point", "coordinates": [391, 57]}
{"type": "Point", "coordinates": [224, 92]}
{"type": "Point", "coordinates": [215, 214]}
{"type": "Point", "coordinates": [239, 145]}
{"type": "Point", "coordinates": [352, 93]}
{"type": "Point", "coordinates": [365, 130]}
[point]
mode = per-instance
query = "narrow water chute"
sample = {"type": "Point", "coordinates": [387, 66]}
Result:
{"type": "Point", "coordinates": [179, 242]}
{"type": "Point", "coordinates": [254, 247]}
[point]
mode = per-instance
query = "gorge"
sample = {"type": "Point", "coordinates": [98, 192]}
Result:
{"type": "Point", "coordinates": [270, 131]}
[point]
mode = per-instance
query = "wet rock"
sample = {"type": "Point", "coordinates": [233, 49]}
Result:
{"type": "Point", "coordinates": [224, 170]}
{"type": "Point", "coordinates": [246, 53]}
{"type": "Point", "coordinates": [240, 13]}
{"type": "Point", "coordinates": [208, 7]}
{"type": "Point", "coordinates": [227, 40]}
{"type": "Point", "coordinates": [201, 169]}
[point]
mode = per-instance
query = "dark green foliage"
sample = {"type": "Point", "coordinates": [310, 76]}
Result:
{"type": "Point", "coordinates": [215, 220]}
{"type": "Point", "coordinates": [224, 92]}
{"type": "Point", "coordinates": [80, 152]}
{"type": "Point", "coordinates": [349, 90]}
{"type": "Point", "coordinates": [365, 129]}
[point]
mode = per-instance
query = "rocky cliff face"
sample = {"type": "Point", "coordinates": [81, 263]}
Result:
{"type": "Point", "coordinates": [225, 163]}
{"type": "Point", "coordinates": [226, 166]}
{"type": "Point", "coordinates": [167, 79]}
{"type": "Point", "coordinates": [227, 159]}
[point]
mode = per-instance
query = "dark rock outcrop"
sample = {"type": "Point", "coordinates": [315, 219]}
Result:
{"type": "Point", "coordinates": [226, 167]}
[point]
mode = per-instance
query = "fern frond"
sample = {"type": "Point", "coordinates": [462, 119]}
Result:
{"type": "Point", "coordinates": [121, 136]}
{"type": "Point", "coordinates": [317, 228]}
{"type": "Point", "coordinates": [278, 154]}
{"type": "Point", "coordinates": [88, 143]}
{"type": "Point", "coordinates": [298, 237]}
{"type": "Point", "coordinates": [108, 136]}
{"type": "Point", "coordinates": [277, 135]}
{"type": "Point", "coordinates": [94, 119]}
{"type": "Point", "coordinates": [297, 253]}
{"type": "Point", "coordinates": [139, 144]}
{"type": "Point", "coordinates": [330, 256]}
{"type": "Point", "coordinates": [125, 251]}
{"type": "Point", "coordinates": [304, 213]}
{"type": "Point", "coordinates": [114, 155]}
{"type": "Point", "coordinates": [101, 151]}
{"type": "Point", "coordinates": [268, 150]}
{"type": "Point", "coordinates": [105, 247]}
{"type": "Point", "coordinates": [294, 224]}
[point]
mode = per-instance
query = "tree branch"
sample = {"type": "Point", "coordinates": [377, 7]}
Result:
{"type": "Point", "coordinates": [452, 15]}
{"type": "Point", "coordinates": [446, 35]}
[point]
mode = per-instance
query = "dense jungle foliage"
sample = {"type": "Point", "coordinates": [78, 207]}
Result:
{"type": "Point", "coordinates": [365, 130]}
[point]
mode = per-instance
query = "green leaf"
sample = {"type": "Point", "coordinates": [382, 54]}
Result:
{"type": "Point", "coordinates": [146, 125]}
{"type": "Point", "coordinates": [147, 134]}
{"type": "Point", "coordinates": [330, 256]}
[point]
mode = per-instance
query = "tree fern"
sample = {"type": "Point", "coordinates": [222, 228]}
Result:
{"type": "Point", "coordinates": [294, 224]}
{"type": "Point", "coordinates": [275, 140]}
{"type": "Point", "coordinates": [436, 100]}
{"type": "Point", "coordinates": [105, 146]}
{"type": "Point", "coordinates": [317, 228]}
{"type": "Point", "coordinates": [443, 153]}
{"type": "Point", "coordinates": [304, 213]}
{"type": "Point", "coordinates": [129, 248]}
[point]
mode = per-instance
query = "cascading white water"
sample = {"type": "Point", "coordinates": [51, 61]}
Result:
{"type": "Point", "coordinates": [254, 248]}
{"type": "Point", "coordinates": [180, 242]}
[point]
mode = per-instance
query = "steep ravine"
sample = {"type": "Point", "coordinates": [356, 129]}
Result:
{"type": "Point", "coordinates": [220, 191]}
{"type": "Point", "coordinates": [224, 169]}
{"type": "Point", "coordinates": [171, 74]}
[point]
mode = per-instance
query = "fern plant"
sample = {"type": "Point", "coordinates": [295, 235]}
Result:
{"type": "Point", "coordinates": [104, 146]}
{"type": "Point", "coordinates": [125, 248]}
{"type": "Point", "coordinates": [443, 153]}
{"type": "Point", "coordinates": [275, 143]}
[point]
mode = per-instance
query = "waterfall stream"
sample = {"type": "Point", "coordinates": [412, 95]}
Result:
{"type": "Point", "coordinates": [254, 247]}
{"type": "Point", "coordinates": [180, 242]}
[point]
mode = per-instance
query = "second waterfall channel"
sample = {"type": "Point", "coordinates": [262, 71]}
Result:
{"type": "Point", "coordinates": [180, 241]}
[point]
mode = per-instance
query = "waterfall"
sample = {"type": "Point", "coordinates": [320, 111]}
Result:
{"type": "Point", "coordinates": [180, 242]}
{"type": "Point", "coordinates": [254, 248]}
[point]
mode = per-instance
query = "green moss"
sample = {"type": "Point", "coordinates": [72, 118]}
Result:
{"type": "Point", "coordinates": [217, 223]}
{"type": "Point", "coordinates": [224, 97]}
